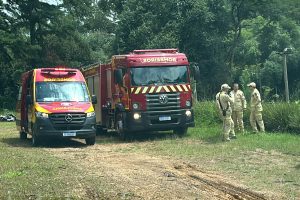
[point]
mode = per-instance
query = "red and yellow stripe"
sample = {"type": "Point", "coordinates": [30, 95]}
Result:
{"type": "Point", "coordinates": [159, 89]}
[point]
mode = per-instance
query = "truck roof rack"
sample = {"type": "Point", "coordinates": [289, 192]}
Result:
{"type": "Point", "coordinates": [144, 51]}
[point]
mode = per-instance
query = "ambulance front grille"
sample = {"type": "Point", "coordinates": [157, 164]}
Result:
{"type": "Point", "coordinates": [157, 102]}
{"type": "Point", "coordinates": [68, 121]}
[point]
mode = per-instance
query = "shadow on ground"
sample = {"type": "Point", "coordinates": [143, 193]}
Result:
{"type": "Point", "coordinates": [108, 138]}
{"type": "Point", "coordinates": [45, 143]}
{"type": "Point", "coordinates": [112, 137]}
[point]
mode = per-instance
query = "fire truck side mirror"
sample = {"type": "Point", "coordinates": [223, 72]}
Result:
{"type": "Point", "coordinates": [28, 100]}
{"type": "Point", "coordinates": [94, 99]}
{"type": "Point", "coordinates": [119, 76]}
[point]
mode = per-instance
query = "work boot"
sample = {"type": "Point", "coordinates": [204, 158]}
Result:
{"type": "Point", "coordinates": [233, 137]}
{"type": "Point", "coordinates": [226, 140]}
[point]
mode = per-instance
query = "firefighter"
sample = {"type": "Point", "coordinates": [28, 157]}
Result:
{"type": "Point", "coordinates": [256, 109]}
{"type": "Point", "coordinates": [238, 106]}
{"type": "Point", "coordinates": [225, 102]}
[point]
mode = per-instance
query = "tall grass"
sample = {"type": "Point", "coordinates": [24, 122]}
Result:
{"type": "Point", "coordinates": [278, 117]}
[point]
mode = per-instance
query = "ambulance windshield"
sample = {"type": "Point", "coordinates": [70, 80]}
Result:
{"type": "Point", "coordinates": [61, 92]}
{"type": "Point", "coordinates": [142, 76]}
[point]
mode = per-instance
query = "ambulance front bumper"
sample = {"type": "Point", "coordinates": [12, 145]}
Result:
{"type": "Point", "coordinates": [44, 127]}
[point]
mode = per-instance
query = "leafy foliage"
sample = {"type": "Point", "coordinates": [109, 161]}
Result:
{"type": "Point", "coordinates": [230, 40]}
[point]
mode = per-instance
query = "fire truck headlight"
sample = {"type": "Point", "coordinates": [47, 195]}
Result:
{"type": "Point", "coordinates": [188, 113]}
{"type": "Point", "coordinates": [136, 116]}
{"type": "Point", "coordinates": [90, 114]}
{"type": "Point", "coordinates": [41, 115]}
{"type": "Point", "coordinates": [135, 106]}
{"type": "Point", "coordinates": [188, 103]}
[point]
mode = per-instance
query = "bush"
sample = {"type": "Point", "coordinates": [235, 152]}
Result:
{"type": "Point", "coordinates": [282, 117]}
{"type": "Point", "coordinates": [277, 117]}
{"type": "Point", "coordinates": [206, 113]}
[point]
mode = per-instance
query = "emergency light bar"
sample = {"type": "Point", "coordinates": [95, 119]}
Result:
{"type": "Point", "coordinates": [155, 51]}
{"type": "Point", "coordinates": [49, 70]}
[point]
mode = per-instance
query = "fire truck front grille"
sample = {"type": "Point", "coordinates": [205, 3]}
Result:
{"type": "Point", "coordinates": [68, 121]}
{"type": "Point", "coordinates": [165, 101]}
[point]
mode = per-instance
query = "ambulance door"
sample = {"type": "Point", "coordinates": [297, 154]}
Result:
{"type": "Point", "coordinates": [29, 103]}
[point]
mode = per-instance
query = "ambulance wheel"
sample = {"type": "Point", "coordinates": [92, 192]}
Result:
{"type": "Point", "coordinates": [23, 135]}
{"type": "Point", "coordinates": [90, 141]}
{"type": "Point", "coordinates": [180, 131]}
{"type": "Point", "coordinates": [35, 140]}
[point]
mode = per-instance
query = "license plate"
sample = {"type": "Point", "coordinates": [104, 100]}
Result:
{"type": "Point", "coordinates": [164, 118]}
{"type": "Point", "coordinates": [69, 134]}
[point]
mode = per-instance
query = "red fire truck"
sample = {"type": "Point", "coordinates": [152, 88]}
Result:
{"type": "Point", "coordinates": [54, 102]}
{"type": "Point", "coordinates": [145, 90]}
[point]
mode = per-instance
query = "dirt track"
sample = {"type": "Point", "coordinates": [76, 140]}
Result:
{"type": "Point", "coordinates": [141, 176]}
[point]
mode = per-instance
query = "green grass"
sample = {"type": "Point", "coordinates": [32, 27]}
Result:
{"type": "Point", "coordinates": [264, 162]}
{"type": "Point", "coordinates": [32, 173]}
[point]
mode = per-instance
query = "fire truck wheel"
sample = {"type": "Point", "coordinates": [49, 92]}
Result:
{"type": "Point", "coordinates": [101, 131]}
{"type": "Point", "coordinates": [181, 131]}
{"type": "Point", "coordinates": [120, 126]}
{"type": "Point", "coordinates": [90, 141]}
{"type": "Point", "coordinates": [23, 135]}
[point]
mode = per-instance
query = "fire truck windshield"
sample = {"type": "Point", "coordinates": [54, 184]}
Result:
{"type": "Point", "coordinates": [161, 75]}
{"type": "Point", "coordinates": [61, 92]}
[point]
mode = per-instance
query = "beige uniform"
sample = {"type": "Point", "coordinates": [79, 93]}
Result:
{"type": "Point", "coordinates": [256, 111]}
{"type": "Point", "coordinates": [237, 109]}
{"type": "Point", "coordinates": [228, 124]}
{"type": "Point", "coordinates": [218, 105]}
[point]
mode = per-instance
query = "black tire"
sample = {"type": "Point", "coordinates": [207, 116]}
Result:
{"type": "Point", "coordinates": [182, 131]}
{"type": "Point", "coordinates": [36, 140]}
{"type": "Point", "coordinates": [90, 141]}
{"type": "Point", "coordinates": [23, 135]}
{"type": "Point", "coordinates": [120, 123]}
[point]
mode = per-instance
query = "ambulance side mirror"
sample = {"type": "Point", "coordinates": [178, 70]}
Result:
{"type": "Point", "coordinates": [119, 76]}
{"type": "Point", "coordinates": [94, 99]}
{"type": "Point", "coordinates": [28, 100]}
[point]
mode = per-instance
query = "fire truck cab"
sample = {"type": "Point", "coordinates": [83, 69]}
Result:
{"type": "Point", "coordinates": [145, 90]}
{"type": "Point", "coordinates": [54, 102]}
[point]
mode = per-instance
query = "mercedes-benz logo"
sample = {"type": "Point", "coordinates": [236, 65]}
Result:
{"type": "Point", "coordinates": [68, 118]}
{"type": "Point", "coordinates": [163, 99]}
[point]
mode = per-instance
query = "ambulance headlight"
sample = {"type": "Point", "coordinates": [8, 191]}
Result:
{"type": "Point", "coordinates": [188, 103]}
{"type": "Point", "coordinates": [135, 106]}
{"type": "Point", "coordinates": [41, 115]}
{"type": "Point", "coordinates": [90, 114]}
{"type": "Point", "coordinates": [188, 113]}
{"type": "Point", "coordinates": [136, 116]}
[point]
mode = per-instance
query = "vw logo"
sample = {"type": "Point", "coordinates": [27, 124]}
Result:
{"type": "Point", "coordinates": [163, 99]}
{"type": "Point", "coordinates": [68, 118]}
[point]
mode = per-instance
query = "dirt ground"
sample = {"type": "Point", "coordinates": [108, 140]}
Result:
{"type": "Point", "coordinates": [133, 175]}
